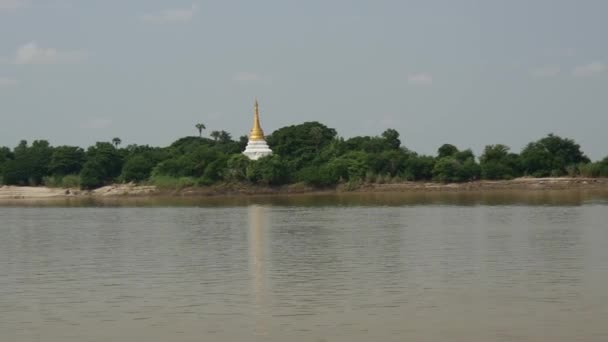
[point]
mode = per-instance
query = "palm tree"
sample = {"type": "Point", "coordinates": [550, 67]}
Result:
{"type": "Point", "coordinates": [116, 142]}
{"type": "Point", "coordinates": [200, 128]}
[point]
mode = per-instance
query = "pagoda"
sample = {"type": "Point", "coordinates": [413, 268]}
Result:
{"type": "Point", "coordinates": [257, 146]}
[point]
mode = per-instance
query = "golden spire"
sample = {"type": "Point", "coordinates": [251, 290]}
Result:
{"type": "Point", "coordinates": [256, 132]}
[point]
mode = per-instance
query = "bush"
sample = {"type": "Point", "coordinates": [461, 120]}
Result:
{"type": "Point", "coordinates": [92, 175]}
{"type": "Point", "coordinates": [137, 169]}
{"type": "Point", "coordinates": [352, 185]}
{"type": "Point", "coordinates": [236, 168]}
{"type": "Point", "coordinates": [603, 167]}
{"type": "Point", "coordinates": [318, 176]}
{"type": "Point", "coordinates": [358, 165]}
{"type": "Point", "coordinates": [497, 163]}
{"type": "Point", "coordinates": [446, 170]}
{"type": "Point", "coordinates": [450, 169]}
{"type": "Point", "coordinates": [495, 170]}
{"type": "Point", "coordinates": [69, 181]}
{"type": "Point", "coordinates": [418, 168]}
{"type": "Point", "coordinates": [215, 170]}
{"type": "Point", "coordinates": [370, 177]}
{"type": "Point", "coordinates": [191, 164]}
{"type": "Point", "coordinates": [572, 170]}
{"type": "Point", "coordinates": [52, 182]}
{"type": "Point", "coordinates": [269, 170]}
{"type": "Point", "coordinates": [589, 170]}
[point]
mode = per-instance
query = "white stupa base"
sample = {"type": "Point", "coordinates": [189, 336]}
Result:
{"type": "Point", "coordinates": [257, 149]}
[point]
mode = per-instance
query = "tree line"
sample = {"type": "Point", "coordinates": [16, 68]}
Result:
{"type": "Point", "coordinates": [309, 153]}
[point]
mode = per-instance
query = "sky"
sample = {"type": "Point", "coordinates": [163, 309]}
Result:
{"type": "Point", "coordinates": [465, 72]}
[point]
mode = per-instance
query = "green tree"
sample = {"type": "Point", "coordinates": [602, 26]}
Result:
{"type": "Point", "coordinates": [92, 175]}
{"type": "Point", "coordinates": [190, 164]}
{"type": "Point", "coordinates": [367, 144]}
{"type": "Point", "coordinates": [551, 155]}
{"type": "Point", "coordinates": [357, 165]}
{"type": "Point", "coordinates": [242, 143]}
{"type": "Point", "coordinates": [418, 167]}
{"type": "Point", "coordinates": [236, 169]}
{"type": "Point", "coordinates": [137, 168]}
{"type": "Point", "coordinates": [30, 163]}
{"type": "Point", "coordinates": [392, 138]}
{"type": "Point", "coordinates": [16, 172]}
{"type": "Point", "coordinates": [215, 170]}
{"type": "Point", "coordinates": [453, 165]}
{"type": "Point", "coordinates": [316, 135]}
{"type": "Point", "coordinates": [215, 135]}
{"type": "Point", "coordinates": [352, 166]}
{"type": "Point", "coordinates": [458, 166]}
{"type": "Point", "coordinates": [470, 171]}
{"type": "Point", "coordinates": [300, 143]}
{"type": "Point", "coordinates": [389, 162]}
{"type": "Point", "coordinates": [225, 137]}
{"type": "Point", "coordinates": [40, 155]}
{"type": "Point", "coordinates": [603, 167]}
{"type": "Point", "coordinates": [66, 160]}
{"type": "Point", "coordinates": [324, 176]}
{"type": "Point", "coordinates": [189, 144]}
{"type": "Point", "coordinates": [200, 127]}
{"type": "Point", "coordinates": [103, 164]}
{"type": "Point", "coordinates": [5, 156]}
{"type": "Point", "coordinates": [447, 169]}
{"type": "Point", "coordinates": [464, 155]}
{"type": "Point", "coordinates": [270, 170]}
{"type": "Point", "coordinates": [446, 150]}
{"type": "Point", "coordinates": [497, 163]}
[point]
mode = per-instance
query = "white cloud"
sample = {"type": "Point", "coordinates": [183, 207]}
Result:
{"type": "Point", "coordinates": [246, 76]}
{"type": "Point", "coordinates": [546, 71]}
{"type": "Point", "coordinates": [170, 16]}
{"type": "Point", "coordinates": [590, 69]}
{"type": "Point", "coordinates": [420, 79]}
{"type": "Point", "coordinates": [96, 123]}
{"type": "Point", "coordinates": [12, 4]}
{"type": "Point", "coordinates": [7, 82]}
{"type": "Point", "coordinates": [31, 53]}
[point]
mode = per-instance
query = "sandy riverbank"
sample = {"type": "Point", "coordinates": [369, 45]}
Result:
{"type": "Point", "coordinates": [30, 192]}
{"type": "Point", "coordinates": [532, 184]}
{"type": "Point", "coordinates": [131, 190]}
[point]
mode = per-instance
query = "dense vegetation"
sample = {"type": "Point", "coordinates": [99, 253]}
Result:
{"type": "Point", "coordinates": [309, 153]}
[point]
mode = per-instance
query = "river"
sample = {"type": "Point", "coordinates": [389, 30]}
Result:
{"type": "Point", "coordinates": [366, 267]}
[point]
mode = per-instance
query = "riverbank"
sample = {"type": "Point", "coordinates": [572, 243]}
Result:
{"type": "Point", "coordinates": [132, 190]}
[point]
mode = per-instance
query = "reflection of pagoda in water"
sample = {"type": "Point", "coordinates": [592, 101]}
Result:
{"type": "Point", "coordinates": [257, 146]}
{"type": "Point", "coordinates": [257, 250]}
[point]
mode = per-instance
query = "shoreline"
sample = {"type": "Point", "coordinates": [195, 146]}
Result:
{"type": "Point", "coordinates": [13, 193]}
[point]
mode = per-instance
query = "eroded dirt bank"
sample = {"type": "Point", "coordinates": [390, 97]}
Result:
{"type": "Point", "coordinates": [132, 190]}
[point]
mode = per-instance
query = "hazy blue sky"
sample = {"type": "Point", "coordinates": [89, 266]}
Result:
{"type": "Point", "coordinates": [469, 73]}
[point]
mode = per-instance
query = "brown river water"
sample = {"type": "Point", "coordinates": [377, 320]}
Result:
{"type": "Point", "coordinates": [500, 266]}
